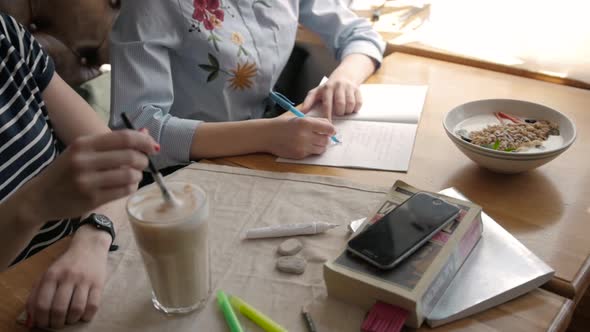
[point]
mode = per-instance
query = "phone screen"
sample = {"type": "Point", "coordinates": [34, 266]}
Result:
{"type": "Point", "coordinates": [401, 230]}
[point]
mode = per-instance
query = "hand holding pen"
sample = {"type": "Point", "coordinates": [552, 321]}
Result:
{"type": "Point", "coordinates": [288, 105]}
{"type": "Point", "coordinates": [296, 137]}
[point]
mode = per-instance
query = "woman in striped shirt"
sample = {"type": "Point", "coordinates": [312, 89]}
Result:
{"type": "Point", "coordinates": [41, 182]}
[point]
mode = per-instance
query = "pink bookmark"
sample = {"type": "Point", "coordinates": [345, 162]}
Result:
{"type": "Point", "coordinates": [384, 317]}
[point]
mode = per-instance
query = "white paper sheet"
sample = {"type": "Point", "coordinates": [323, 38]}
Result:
{"type": "Point", "coordinates": [388, 103]}
{"type": "Point", "coordinates": [370, 145]}
{"type": "Point", "coordinates": [381, 135]}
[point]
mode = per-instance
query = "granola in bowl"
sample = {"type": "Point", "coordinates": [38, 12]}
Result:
{"type": "Point", "coordinates": [514, 136]}
{"type": "Point", "coordinates": [511, 134]}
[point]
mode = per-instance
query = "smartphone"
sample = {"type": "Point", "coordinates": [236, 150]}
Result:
{"type": "Point", "coordinates": [403, 230]}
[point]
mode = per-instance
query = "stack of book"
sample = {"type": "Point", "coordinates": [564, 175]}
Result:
{"type": "Point", "coordinates": [499, 269]}
{"type": "Point", "coordinates": [470, 266]}
{"type": "Point", "coordinates": [418, 282]}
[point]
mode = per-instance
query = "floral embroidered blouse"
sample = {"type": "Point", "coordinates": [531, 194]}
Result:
{"type": "Point", "coordinates": [177, 63]}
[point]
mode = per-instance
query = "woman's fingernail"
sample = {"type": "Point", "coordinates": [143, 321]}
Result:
{"type": "Point", "coordinates": [157, 147]}
{"type": "Point", "coordinates": [144, 130]}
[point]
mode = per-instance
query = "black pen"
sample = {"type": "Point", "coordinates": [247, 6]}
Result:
{"type": "Point", "coordinates": [308, 320]}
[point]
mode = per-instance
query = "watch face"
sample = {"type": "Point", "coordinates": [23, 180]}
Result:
{"type": "Point", "coordinates": [103, 220]}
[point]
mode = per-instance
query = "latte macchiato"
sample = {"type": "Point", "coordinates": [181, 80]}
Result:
{"type": "Point", "coordinates": [173, 243]}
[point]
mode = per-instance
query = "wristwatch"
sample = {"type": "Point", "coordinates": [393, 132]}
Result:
{"type": "Point", "coordinates": [103, 223]}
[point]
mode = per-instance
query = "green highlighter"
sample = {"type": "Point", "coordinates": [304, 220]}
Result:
{"type": "Point", "coordinates": [228, 312]}
{"type": "Point", "coordinates": [256, 316]}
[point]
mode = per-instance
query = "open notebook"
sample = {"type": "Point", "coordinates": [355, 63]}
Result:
{"type": "Point", "coordinates": [381, 135]}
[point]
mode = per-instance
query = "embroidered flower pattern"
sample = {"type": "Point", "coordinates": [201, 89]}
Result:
{"type": "Point", "coordinates": [237, 39]}
{"type": "Point", "coordinates": [209, 13]}
{"type": "Point", "coordinates": [240, 78]}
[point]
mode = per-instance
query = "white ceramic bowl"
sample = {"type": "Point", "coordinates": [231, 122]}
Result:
{"type": "Point", "coordinates": [478, 114]}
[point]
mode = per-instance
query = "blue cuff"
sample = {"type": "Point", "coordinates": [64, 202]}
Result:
{"type": "Point", "coordinates": [367, 48]}
{"type": "Point", "coordinates": [176, 139]}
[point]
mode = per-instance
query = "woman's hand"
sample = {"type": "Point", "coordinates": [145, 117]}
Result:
{"type": "Point", "coordinates": [338, 96]}
{"type": "Point", "coordinates": [70, 290]}
{"type": "Point", "coordinates": [297, 138]}
{"type": "Point", "coordinates": [91, 171]}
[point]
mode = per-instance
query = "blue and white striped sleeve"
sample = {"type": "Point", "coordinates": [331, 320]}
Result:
{"type": "Point", "coordinates": [33, 56]}
{"type": "Point", "coordinates": [142, 38]}
{"type": "Point", "coordinates": [342, 31]}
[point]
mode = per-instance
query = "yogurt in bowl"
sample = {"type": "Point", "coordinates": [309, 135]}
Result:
{"type": "Point", "coordinates": [477, 115]}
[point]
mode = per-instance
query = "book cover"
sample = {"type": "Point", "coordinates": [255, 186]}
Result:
{"type": "Point", "coordinates": [484, 280]}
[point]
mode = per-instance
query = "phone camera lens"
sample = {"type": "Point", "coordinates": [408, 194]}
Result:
{"type": "Point", "coordinates": [437, 202]}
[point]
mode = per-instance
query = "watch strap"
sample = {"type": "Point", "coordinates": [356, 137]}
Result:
{"type": "Point", "coordinates": [91, 220]}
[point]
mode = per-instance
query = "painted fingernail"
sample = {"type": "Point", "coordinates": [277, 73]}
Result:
{"type": "Point", "coordinates": [157, 147]}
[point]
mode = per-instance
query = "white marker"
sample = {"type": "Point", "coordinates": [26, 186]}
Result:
{"type": "Point", "coordinates": [289, 230]}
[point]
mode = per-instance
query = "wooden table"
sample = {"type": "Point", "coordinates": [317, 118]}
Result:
{"type": "Point", "coordinates": [539, 310]}
{"type": "Point", "coordinates": [546, 40]}
{"type": "Point", "coordinates": [15, 284]}
{"type": "Point", "coordinates": [547, 209]}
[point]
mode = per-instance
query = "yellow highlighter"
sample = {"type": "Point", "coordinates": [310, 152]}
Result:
{"type": "Point", "coordinates": [256, 316]}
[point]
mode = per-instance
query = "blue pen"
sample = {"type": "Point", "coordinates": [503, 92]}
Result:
{"type": "Point", "coordinates": [285, 103]}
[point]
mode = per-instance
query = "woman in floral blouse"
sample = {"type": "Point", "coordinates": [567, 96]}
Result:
{"type": "Point", "coordinates": [192, 72]}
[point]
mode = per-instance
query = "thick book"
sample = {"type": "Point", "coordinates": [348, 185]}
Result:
{"type": "Point", "coordinates": [381, 135]}
{"type": "Point", "coordinates": [419, 281]}
{"type": "Point", "coordinates": [498, 269]}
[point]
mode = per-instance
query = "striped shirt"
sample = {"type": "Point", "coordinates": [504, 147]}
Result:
{"type": "Point", "coordinates": [27, 141]}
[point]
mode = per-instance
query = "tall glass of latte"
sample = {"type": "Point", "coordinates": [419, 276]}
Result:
{"type": "Point", "coordinates": [172, 239]}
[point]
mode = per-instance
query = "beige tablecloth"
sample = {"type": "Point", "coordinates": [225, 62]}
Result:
{"type": "Point", "coordinates": [241, 199]}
